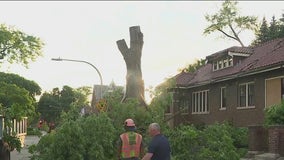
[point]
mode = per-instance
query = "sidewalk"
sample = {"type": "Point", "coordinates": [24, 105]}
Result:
{"type": "Point", "coordinates": [262, 156]}
{"type": "Point", "coordinates": [24, 154]}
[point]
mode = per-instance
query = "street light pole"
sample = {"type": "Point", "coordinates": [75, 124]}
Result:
{"type": "Point", "coordinates": [72, 60]}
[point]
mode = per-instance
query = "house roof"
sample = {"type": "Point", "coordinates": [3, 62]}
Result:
{"type": "Point", "coordinates": [234, 49]}
{"type": "Point", "coordinates": [261, 57]}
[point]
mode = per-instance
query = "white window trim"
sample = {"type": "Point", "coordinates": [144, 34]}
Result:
{"type": "Point", "coordinates": [227, 60]}
{"type": "Point", "coordinates": [247, 106]}
{"type": "Point", "coordinates": [221, 99]}
{"type": "Point", "coordinates": [200, 107]}
{"type": "Point", "coordinates": [215, 63]}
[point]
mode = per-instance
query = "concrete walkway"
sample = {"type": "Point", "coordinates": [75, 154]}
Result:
{"type": "Point", "coordinates": [24, 154]}
{"type": "Point", "coordinates": [262, 156]}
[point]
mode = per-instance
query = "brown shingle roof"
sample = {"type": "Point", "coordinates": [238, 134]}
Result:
{"type": "Point", "coordinates": [236, 49]}
{"type": "Point", "coordinates": [183, 78]}
{"type": "Point", "coordinates": [263, 56]}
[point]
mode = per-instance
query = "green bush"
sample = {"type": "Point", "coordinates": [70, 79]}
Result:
{"type": "Point", "coordinates": [33, 131]}
{"type": "Point", "coordinates": [185, 142]}
{"type": "Point", "coordinates": [96, 136]}
{"type": "Point", "coordinates": [218, 143]}
{"type": "Point", "coordinates": [212, 142]}
{"type": "Point", "coordinates": [274, 115]}
{"type": "Point", "coordinates": [93, 136]}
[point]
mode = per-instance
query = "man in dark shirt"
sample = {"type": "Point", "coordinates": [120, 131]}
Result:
{"type": "Point", "coordinates": [159, 148]}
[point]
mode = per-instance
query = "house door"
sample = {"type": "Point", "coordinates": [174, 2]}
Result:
{"type": "Point", "coordinates": [274, 91]}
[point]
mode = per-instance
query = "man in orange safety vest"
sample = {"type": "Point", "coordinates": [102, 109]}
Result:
{"type": "Point", "coordinates": [130, 142]}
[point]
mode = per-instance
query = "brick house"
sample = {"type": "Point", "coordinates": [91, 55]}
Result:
{"type": "Point", "coordinates": [235, 85]}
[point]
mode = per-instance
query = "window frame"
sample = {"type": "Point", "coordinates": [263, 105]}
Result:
{"type": "Point", "coordinates": [200, 102]}
{"type": "Point", "coordinates": [248, 103]}
{"type": "Point", "coordinates": [222, 63]}
{"type": "Point", "coordinates": [223, 92]}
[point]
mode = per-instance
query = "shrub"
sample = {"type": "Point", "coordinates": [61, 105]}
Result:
{"type": "Point", "coordinates": [274, 115]}
{"type": "Point", "coordinates": [93, 136]}
{"type": "Point", "coordinates": [212, 142]}
{"type": "Point", "coordinates": [33, 131]}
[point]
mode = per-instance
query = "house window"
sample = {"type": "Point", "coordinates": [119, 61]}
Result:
{"type": "Point", "coordinates": [246, 94]}
{"type": "Point", "coordinates": [230, 61]}
{"type": "Point", "coordinates": [220, 64]}
{"type": "Point", "coordinates": [225, 63]}
{"type": "Point", "coordinates": [215, 66]}
{"type": "Point", "coordinates": [223, 98]}
{"type": "Point", "coordinates": [200, 102]}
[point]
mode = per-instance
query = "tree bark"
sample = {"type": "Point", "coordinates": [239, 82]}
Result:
{"type": "Point", "coordinates": [132, 58]}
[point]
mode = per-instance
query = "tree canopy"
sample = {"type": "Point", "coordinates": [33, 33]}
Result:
{"type": "Point", "coordinates": [15, 101]}
{"type": "Point", "coordinates": [267, 32]}
{"type": "Point", "coordinates": [17, 95]}
{"type": "Point", "coordinates": [11, 78]}
{"type": "Point", "coordinates": [18, 47]}
{"type": "Point", "coordinates": [51, 104]}
{"type": "Point", "coordinates": [195, 66]}
{"type": "Point", "coordinates": [228, 21]}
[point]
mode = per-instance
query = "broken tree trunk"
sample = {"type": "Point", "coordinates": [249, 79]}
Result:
{"type": "Point", "coordinates": [132, 58]}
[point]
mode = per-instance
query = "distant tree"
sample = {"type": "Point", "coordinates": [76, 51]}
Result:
{"type": "Point", "coordinates": [17, 46]}
{"type": "Point", "coordinates": [17, 95]}
{"type": "Point", "coordinates": [16, 102]}
{"type": "Point", "coordinates": [273, 28]}
{"type": "Point", "coordinates": [161, 97]}
{"type": "Point", "coordinates": [262, 35]}
{"type": "Point", "coordinates": [114, 96]}
{"type": "Point", "coordinates": [229, 23]}
{"type": "Point", "coordinates": [282, 26]}
{"type": "Point", "coordinates": [51, 104]}
{"type": "Point", "coordinates": [82, 93]}
{"type": "Point", "coordinates": [266, 32]}
{"type": "Point", "coordinates": [31, 86]}
{"type": "Point", "coordinates": [195, 66]}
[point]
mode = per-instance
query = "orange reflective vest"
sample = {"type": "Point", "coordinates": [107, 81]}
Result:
{"type": "Point", "coordinates": [131, 143]}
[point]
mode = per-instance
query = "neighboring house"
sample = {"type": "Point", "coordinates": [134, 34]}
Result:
{"type": "Point", "coordinates": [98, 94]}
{"type": "Point", "coordinates": [235, 85]}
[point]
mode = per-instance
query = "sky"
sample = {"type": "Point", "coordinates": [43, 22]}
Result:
{"type": "Point", "coordinates": [88, 31]}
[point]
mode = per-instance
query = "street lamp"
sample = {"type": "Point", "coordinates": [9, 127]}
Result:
{"type": "Point", "coordinates": [72, 60]}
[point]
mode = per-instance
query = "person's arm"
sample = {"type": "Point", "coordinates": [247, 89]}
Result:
{"type": "Point", "coordinates": [148, 156]}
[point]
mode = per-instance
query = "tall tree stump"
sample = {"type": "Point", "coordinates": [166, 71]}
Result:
{"type": "Point", "coordinates": [132, 57]}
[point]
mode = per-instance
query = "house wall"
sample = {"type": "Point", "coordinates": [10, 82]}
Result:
{"type": "Point", "coordinates": [241, 117]}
